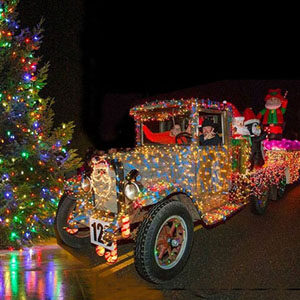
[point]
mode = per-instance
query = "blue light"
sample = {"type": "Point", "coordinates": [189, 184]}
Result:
{"type": "Point", "coordinates": [44, 156]}
{"type": "Point", "coordinates": [27, 77]}
{"type": "Point", "coordinates": [8, 195]}
{"type": "Point", "coordinates": [5, 176]}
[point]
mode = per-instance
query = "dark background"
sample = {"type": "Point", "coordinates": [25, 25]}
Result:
{"type": "Point", "coordinates": [104, 60]}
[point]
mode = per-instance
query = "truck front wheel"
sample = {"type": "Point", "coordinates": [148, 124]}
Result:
{"type": "Point", "coordinates": [72, 237]}
{"type": "Point", "coordinates": [164, 241]}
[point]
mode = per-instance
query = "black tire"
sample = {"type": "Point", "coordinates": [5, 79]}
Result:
{"type": "Point", "coordinates": [259, 204]}
{"type": "Point", "coordinates": [281, 188]}
{"type": "Point", "coordinates": [273, 193]}
{"type": "Point", "coordinates": [77, 240]}
{"type": "Point", "coordinates": [145, 261]}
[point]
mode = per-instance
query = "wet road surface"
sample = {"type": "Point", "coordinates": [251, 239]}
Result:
{"type": "Point", "coordinates": [247, 257]}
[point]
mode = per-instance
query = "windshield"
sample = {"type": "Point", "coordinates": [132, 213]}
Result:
{"type": "Point", "coordinates": [177, 130]}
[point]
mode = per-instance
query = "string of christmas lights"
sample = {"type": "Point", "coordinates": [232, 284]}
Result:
{"type": "Point", "coordinates": [33, 155]}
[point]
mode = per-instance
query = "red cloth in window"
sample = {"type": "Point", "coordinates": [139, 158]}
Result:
{"type": "Point", "coordinates": [160, 137]}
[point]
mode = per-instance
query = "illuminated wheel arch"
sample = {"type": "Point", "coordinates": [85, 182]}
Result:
{"type": "Point", "coordinates": [185, 199]}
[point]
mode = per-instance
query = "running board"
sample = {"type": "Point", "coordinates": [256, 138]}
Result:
{"type": "Point", "coordinates": [221, 213]}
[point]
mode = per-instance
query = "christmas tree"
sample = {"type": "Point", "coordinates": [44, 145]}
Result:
{"type": "Point", "coordinates": [33, 155]}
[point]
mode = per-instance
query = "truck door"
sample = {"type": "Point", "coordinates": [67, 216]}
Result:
{"type": "Point", "coordinates": [213, 169]}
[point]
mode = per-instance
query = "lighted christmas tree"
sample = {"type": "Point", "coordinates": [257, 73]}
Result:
{"type": "Point", "coordinates": [33, 155]}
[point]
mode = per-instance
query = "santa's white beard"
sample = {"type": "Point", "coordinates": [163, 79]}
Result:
{"type": "Point", "coordinates": [242, 130]}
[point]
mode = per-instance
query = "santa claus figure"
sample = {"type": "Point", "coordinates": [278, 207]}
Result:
{"type": "Point", "coordinates": [253, 125]}
{"type": "Point", "coordinates": [238, 126]}
{"type": "Point", "coordinates": [272, 115]}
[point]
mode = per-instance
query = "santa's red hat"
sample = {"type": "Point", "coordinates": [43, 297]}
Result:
{"type": "Point", "coordinates": [275, 94]}
{"type": "Point", "coordinates": [250, 116]}
{"type": "Point", "coordinates": [236, 113]}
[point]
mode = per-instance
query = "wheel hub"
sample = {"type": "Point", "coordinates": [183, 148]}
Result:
{"type": "Point", "coordinates": [170, 242]}
{"type": "Point", "coordinates": [174, 243]}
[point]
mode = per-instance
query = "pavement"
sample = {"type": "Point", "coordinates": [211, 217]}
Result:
{"type": "Point", "coordinates": [247, 257]}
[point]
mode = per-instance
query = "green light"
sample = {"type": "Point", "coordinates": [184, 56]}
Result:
{"type": "Point", "coordinates": [13, 236]}
{"type": "Point", "coordinates": [25, 154]}
{"type": "Point", "coordinates": [1, 161]}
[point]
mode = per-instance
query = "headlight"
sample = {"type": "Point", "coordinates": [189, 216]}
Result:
{"type": "Point", "coordinates": [86, 184]}
{"type": "Point", "coordinates": [131, 190]}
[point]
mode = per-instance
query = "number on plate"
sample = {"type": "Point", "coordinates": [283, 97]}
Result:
{"type": "Point", "coordinates": [97, 228]}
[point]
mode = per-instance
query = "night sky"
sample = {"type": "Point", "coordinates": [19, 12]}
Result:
{"type": "Point", "coordinates": [105, 60]}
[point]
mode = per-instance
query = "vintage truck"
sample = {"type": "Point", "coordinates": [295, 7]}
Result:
{"type": "Point", "coordinates": [154, 193]}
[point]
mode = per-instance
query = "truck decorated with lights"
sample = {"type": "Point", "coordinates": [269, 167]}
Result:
{"type": "Point", "coordinates": [154, 193]}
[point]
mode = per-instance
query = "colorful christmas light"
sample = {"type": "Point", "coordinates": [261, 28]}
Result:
{"type": "Point", "coordinates": [26, 136]}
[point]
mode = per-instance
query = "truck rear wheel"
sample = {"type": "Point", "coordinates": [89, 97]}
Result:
{"type": "Point", "coordinates": [273, 193]}
{"type": "Point", "coordinates": [281, 188]}
{"type": "Point", "coordinates": [164, 241]}
{"type": "Point", "coordinates": [259, 204]}
{"type": "Point", "coordinates": [277, 191]}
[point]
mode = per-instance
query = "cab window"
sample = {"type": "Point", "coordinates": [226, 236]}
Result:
{"type": "Point", "coordinates": [211, 129]}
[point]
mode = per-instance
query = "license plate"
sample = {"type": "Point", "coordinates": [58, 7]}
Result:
{"type": "Point", "coordinates": [97, 229]}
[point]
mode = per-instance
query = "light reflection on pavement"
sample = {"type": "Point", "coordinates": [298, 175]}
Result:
{"type": "Point", "coordinates": [50, 272]}
{"type": "Point", "coordinates": [24, 275]}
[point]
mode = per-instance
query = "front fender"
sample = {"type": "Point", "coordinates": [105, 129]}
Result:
{"type": "Point", "coordinates": [156, 192]}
